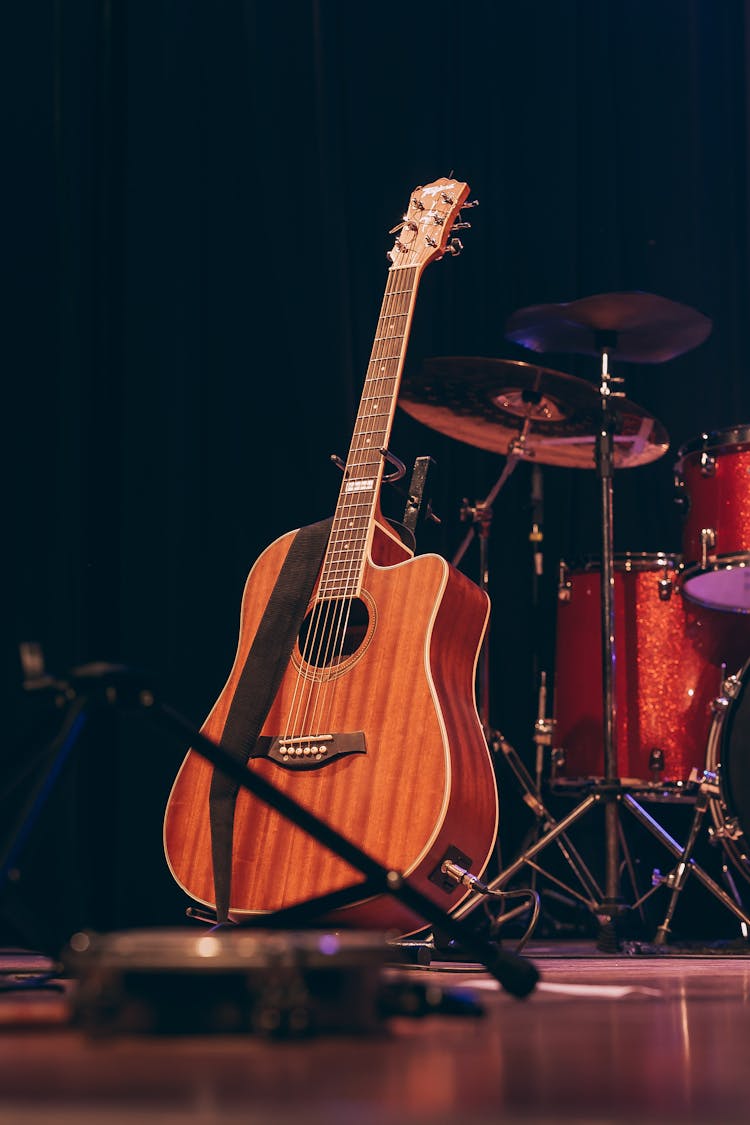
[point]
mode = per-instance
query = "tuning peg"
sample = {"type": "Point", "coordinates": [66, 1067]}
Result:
{"type": "Point", "coordinates": [470, 203]}
{"type": "Point", "coordinates": [462, 226]}
{"type": "Point", "coordinates": [454, 247]}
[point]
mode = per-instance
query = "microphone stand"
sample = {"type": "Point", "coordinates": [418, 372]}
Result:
{"type": "Point", "coordinates": [103, 685]}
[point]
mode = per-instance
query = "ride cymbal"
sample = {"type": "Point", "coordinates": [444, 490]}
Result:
{"type": "Point", "coordinates": [507, 406]}
{"type": "Point", "coordinates": [635, 327]}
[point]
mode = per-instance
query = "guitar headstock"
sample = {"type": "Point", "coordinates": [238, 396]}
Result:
{"type": "Point", "coordinates": [424, 234]}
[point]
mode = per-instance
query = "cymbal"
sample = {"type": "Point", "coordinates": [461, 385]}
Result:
{"type": "Point", "coordinates": [636, 327]}
{"type": "Point", "coordinates": [489, 403]}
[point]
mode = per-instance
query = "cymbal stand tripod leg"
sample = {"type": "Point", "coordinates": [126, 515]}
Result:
{"type": "Point", "coordinates": [729, 880]}
{"type": "Point", "coordinates": [545, 823]}
{"type": "Point", "coordinates": [554, 830]}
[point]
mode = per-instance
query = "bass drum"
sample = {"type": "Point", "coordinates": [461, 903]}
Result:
{"type": "Point", "coordinates": [728, 756]}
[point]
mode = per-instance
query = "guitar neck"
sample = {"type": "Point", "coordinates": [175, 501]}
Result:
{"type": "Point", "coordinates": [423, 237]}
{"type": "Point", "coordinates": [363, 472]}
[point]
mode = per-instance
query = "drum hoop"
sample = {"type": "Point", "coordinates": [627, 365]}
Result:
{"type": "Point", "coordinates": [718, 562]}
{"type": "Point", "coordinates": [715, 441]}
{"type": "Point", "coordinates": [717, 758]}
{"type": "Point", "coordinates": [628, 561]}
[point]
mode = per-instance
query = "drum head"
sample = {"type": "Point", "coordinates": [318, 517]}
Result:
{"type": "Point", "coordinates": [725, 586]}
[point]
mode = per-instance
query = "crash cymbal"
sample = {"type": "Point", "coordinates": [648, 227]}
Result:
{"type": "Point", "coordinates": [635, 327]}
{"type": "Point", "coordinates": [489, 403]}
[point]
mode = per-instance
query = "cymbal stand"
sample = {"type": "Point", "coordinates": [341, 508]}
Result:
{"type": "Point", "coordinates": [604, 906]}
{"type": "Point", "coordinates": [605, 341]}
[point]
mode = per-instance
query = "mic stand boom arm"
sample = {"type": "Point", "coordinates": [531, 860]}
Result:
{"type": "Point", "coordinates": [107, 685]}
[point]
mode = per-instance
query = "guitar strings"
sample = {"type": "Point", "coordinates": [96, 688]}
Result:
{"type": "Point", "coordinates": [331, 616]}
{"type": "Point", "coordinates": [357, 514]}
{"type": "Point", "coordinates": [330, 622]}
{"type": "Point", "coordinates": [350, 522]}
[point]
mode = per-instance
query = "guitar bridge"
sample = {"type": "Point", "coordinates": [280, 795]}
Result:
{"type": "Point", "coordinates": [305, 752]}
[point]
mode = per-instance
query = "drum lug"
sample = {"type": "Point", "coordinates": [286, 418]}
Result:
{"type": "Point", "coordinates": [564, 584]}
{"type": "Point", "coordinates": [730, 830]}
{"type": "Point", "coordinates": [665, 587]}
{"type": "Point", "coordinates": [659, 880]}
{"type": "Point", "coordinates": [708, 542]}
{"type": "Point", "coordinates": [543, 731]}
{"type": "Point", "coordinates": [707, 781]}
{"type": "Point", "coordinates": [731, 687]}
{"type": "Point", "coordinates": [681, 497]}
{"type": "Point", "coordinates": [656, 763]}
{"type": "Point", "coordinates": [707, 464]}
{"type": "Point", "coordinates": [558, 759]}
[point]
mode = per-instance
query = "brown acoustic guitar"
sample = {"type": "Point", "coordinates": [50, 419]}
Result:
{"type": "Point", "coordinates": [374, 725]}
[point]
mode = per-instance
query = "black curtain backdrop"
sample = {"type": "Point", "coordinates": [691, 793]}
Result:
{"type": "Point", "coordinates": [199, 200]}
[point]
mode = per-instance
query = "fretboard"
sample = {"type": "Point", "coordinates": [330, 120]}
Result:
{"type": "Point", "coordinates": [355, 511]}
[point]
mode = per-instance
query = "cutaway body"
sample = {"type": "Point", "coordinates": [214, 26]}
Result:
{"type": "Point", "coordinates": [423, 784]}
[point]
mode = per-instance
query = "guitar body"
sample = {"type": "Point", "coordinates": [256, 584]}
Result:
{"type": "Point", "coordinates": [423, 782]}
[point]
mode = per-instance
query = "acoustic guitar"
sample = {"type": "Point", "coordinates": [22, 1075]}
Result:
{"type": "Point", "coordinates": [374, 725]}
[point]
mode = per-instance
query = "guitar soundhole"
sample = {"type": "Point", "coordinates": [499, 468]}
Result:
{"type": "Point", "coordinates": [333, 631]}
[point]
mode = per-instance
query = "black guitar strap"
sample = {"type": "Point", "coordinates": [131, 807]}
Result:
{"type": "Point", "coordinates": [257, 688]}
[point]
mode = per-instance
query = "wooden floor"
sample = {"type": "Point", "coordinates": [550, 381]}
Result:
{"type": "Point", "coordinates": [638, 1036]}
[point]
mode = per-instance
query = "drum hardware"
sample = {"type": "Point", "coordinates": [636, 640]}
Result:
{"type": "Point", "coordinates": [707, 464]}
{"type": "Point", "coordinates": [559, 758]}
{"type": "Point", "coordinates": [656, 763]}
{"type": "Point", "coordinates": [665, 586]}
{"type": "Point", "coordinates": [706, 791]}
{"type": "Point", "coordinates": [732, 887]}
{"type": "Point", "coordinates": [545, 830]}
{"type": "Point", "coordinates": [563, 582]}
{"type": "Point", "coordinates": [680, 498]}
{"type": "Point", "coordinates": [637, 327]}
{"type": "Point", "coordinates": [565, 421]}
{"type": "Point", "coordinates": [708, 541]}
{"type": "Point", "coordinates": [480, 515]}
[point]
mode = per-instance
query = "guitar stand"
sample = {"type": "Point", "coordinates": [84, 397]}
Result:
{"type": "Point", "coordinates": [107, 685]}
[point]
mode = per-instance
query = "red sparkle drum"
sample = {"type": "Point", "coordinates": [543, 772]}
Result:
{"type": "Point", "coordinates": [670, 661]}
{"type": "Point", "coordinates": [712, 477]}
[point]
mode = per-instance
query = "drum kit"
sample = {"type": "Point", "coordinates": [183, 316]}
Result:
{"type": "Point", "coordinates": [652, 651]}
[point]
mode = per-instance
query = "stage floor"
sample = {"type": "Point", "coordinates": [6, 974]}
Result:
{"type": "Point", "coordinates": [603, 1037]}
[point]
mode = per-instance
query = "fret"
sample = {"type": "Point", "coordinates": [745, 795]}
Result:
{"type": "Point", "coordinates": [387, 337]}
{"type": "Point", "coordinates": [371, 396]}
{"type": "Point", "coordinates": [350, 533]}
